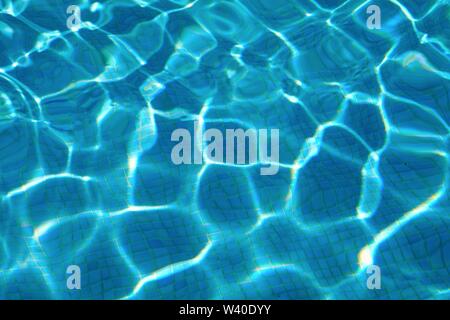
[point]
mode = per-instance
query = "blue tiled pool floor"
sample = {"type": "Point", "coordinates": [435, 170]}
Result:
{"type": "Point", "coordinates": [87, 179]}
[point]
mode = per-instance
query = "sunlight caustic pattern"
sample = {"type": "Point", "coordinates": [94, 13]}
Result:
{"type": "Point", "coordinates": [86, 177]}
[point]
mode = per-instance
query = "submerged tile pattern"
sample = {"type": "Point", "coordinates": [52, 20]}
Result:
{"type": "Point", "coordinates": [86, 176]}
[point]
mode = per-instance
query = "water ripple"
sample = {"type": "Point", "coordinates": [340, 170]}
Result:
{"type": "Point", "coordinates": [86, 176]}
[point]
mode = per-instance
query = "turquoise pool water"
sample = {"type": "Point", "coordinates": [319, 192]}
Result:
{"type": "Point", "coordinates": [86, 176]}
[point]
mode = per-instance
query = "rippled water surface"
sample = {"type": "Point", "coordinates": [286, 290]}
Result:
{"type": "Point", "coordinates": [86, 176]}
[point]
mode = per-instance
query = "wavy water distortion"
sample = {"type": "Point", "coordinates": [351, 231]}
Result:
{"type": "Point", "coordinates": [86, 176]}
